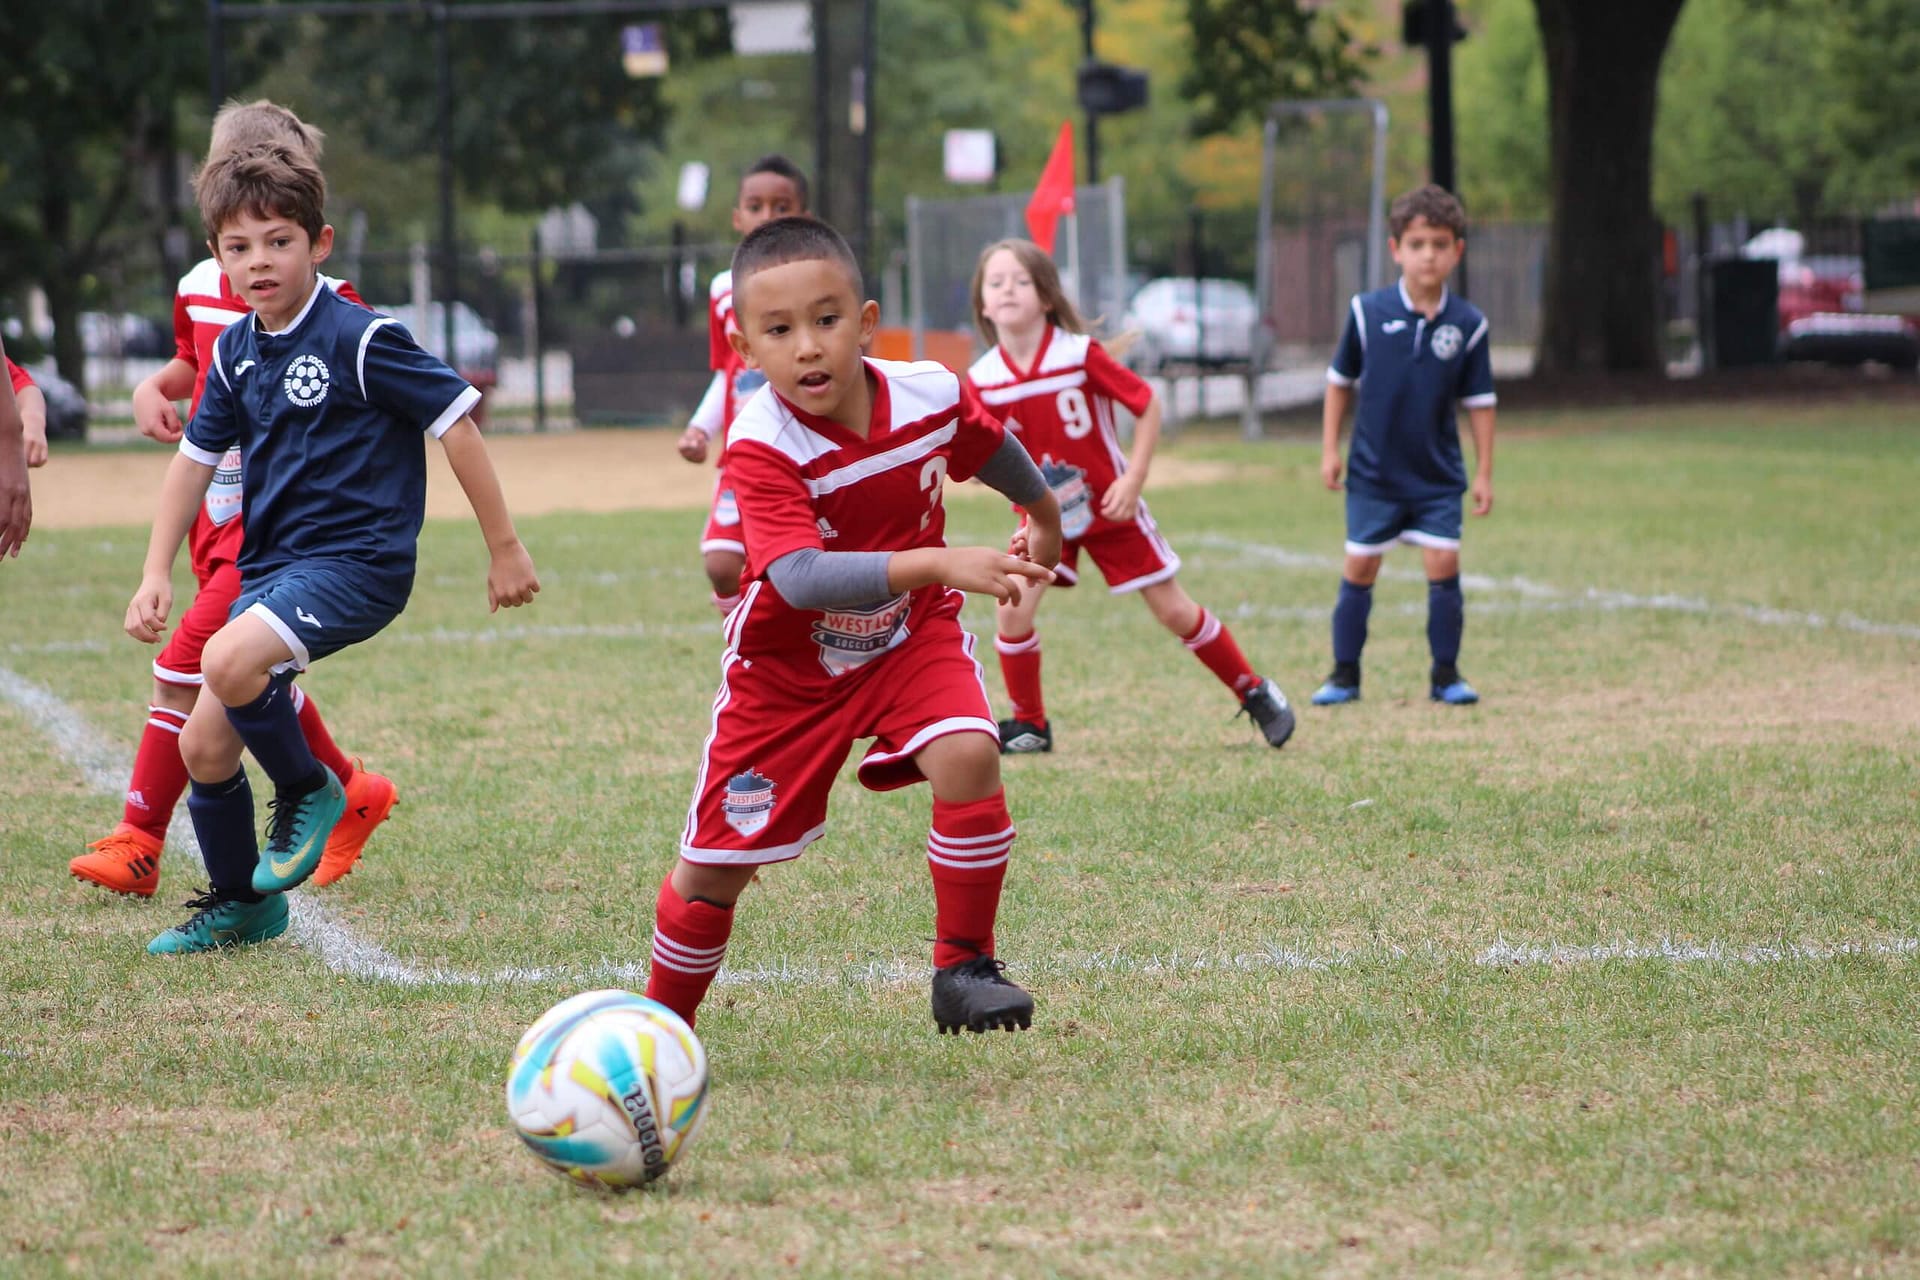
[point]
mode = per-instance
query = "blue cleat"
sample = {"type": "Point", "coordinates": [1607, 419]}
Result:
{"type": "Point", "coordinates": [297, 831]}
{"type": "Point", "coordinates": [221, 922]}
{"type": "Point", "coordinates": [1457, 694]}
{"type": "Point", "coordinates": [1332, 695]}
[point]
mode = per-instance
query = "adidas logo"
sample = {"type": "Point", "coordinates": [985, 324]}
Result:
{"type": "Point", "coordinates": [826, 530]}
{"type": "Point", "coordinates": [138, 801]}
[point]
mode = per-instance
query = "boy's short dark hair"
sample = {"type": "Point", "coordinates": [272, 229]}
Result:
{"type": "Point", "coordinates": [270, 180]}
{"type": "Point", "coordinates": [1438, 206]}
{"type": "Point", "coordinates": [795, 239]}
{"type": "Point", "coordinates": [785, 168]}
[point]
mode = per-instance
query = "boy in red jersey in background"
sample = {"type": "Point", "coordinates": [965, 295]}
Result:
{"type": "Point", "coordinates": [32, 404]}
{"type": "Point", "coordinates": [16, 497]}
{"type": "Point", "coordinates": [772, 187]}
{"type": "Point", "coordinates": [848, 626]}
{"type": "Point", "coordinates": [127, 860]}
{"type": "Point", "coordinates": [1055, 387]}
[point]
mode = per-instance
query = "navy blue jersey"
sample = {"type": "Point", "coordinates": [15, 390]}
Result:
{"type": "Point", "coordinates": [1411, 371]}
{"type": "Point", "coordinates": [331, 415]}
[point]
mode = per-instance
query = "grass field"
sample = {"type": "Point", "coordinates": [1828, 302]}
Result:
{"type": "Point", "coordinates": [1614, 974]}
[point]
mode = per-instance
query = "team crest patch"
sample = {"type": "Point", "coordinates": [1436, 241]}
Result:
{"type": "Point", "coordinates": [1069, 485]}
{"type": "Point", "coordinates": [726, 508]}
{"type": "Point", "coordinates": [1446, 342]}
{"type": "Point", "coordinates": [851, 638]}
{"type": "Point", "coordinates": [306, 381]}
{"type": "Point", "coordinates": [746, 382]}
{"type": "Point", "coordinates": [748, 805]}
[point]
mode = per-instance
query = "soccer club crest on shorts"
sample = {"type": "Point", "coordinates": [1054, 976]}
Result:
{"type": "Point", "coordinates": [726, 510]}
{"type": "Point", "coordinates": [1446, 341]}
{"type": "Point", "coordinates": [851, 638]}
{"type": "Point", "coordinates": [1069, 485]}
{"type": "Point", "coordinates": [749, 802]}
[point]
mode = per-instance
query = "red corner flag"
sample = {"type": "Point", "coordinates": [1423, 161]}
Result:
{"type": "Point", "coordinates": [1053, 195]}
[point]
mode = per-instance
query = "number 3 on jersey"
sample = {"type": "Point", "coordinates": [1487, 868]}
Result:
{"type": "Point", "coordinates": [933, 477]}
{"type": "Point", "coordinates": [1075, 416]}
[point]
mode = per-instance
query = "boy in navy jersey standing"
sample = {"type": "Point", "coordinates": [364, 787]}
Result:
{"type": "Point", "coordinates": [848, 626]}
{"type": "Point", "coordinates": [330, 405]}
{"type": "Point", "coordinates": [1411, 351]}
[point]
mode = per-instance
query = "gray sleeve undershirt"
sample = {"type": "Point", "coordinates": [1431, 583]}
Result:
{"type": "Point", "coordinates": [814, 579]}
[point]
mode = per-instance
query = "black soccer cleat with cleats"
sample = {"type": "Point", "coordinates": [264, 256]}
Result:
{"type": "Point", "coordinates": [973, 996]}
{"type": "Point", "coordinates": [1023, 737]}
{"type": "Point", "coordinates": [1269, 709]}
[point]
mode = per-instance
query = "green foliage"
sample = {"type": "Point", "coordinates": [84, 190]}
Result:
{"type": "Point", "coordinates": [1248, 54]}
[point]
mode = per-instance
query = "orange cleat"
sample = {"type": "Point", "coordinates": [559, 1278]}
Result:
{"type": "Point", "coordinates": [370, 798]}
{"type": "Point", "coordinates": [126, 861]}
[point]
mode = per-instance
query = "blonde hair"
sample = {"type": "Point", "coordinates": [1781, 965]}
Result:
{"type": "Point", "coordinates": [242, 126]}
{"type": "Point", "coordinates": [272, 180]}
{"type": "Point", "coordinates": [1036, 263]}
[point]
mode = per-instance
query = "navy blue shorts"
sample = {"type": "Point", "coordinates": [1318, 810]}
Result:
{"type": "Point", "coordinates": [1375, 523]}
{"type": "Point", "coordinates": [322, 606]}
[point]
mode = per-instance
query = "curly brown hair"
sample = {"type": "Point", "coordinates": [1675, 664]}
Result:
{"type": "Point", "coordinates": [268, 181]}
{"type": "Point", "coordinates": [1438, 206]}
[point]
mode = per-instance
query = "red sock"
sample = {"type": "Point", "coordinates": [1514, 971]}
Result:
{"type": "Point", "coordinates": [314, 730]}
{"type": "Point", "coordinates": [967, 853]}
{"type": "Point", "coordinates": [1213, 644]}
{"type": "Point", "coordinates": [689, 942]}
{"type": "Point", "coordinates": [159, 774]}
{"type": "Point", "coordinates": [1020, 668]}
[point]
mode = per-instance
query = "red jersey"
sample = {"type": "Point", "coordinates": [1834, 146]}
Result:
{"type": "Point", "coordinates": [740, 382]}
{"type": "Point", "coordinates": [804, 481]}
{"type": "Point", "coordinates": [1061, 408]}
{"type": "Point", "coordinates": [204, 303]}
{"type": "Point", "coordinates": [21, 379]}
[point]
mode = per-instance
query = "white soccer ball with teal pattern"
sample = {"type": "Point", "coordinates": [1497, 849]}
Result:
{"type": "Point", "coordinates": [608, 1088]}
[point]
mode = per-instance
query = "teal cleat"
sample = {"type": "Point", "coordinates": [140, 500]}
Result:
{"type": "Point", "coordinates": [1333, 695]}
{"type": "Point", "coordinates": [221, 922]}
{"type": "Point", "coordinates": [1457, 693]}
{"type": "Point", "coordinates": [297, 832]}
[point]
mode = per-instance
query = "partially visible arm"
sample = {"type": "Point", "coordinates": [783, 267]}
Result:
{"type": "Point", "coordinates": [705, 423]}
{"type": "Point", "coordinates": [33, 423]}
{"type": "Point", "coordinates": [153, 400]}
{"type": "Point", "coordinates": [181, 494]}
{"type": "Point", "coordinates": [1123, 496]}
{"type": "Point", "coordinates": [510, 577]}
{"type": "Point", "coordinates": [16, 500]}
{"type": "Point", "coordinates": [1480, 422]}
{"type": "Point", "coordinates": [1332, 413]}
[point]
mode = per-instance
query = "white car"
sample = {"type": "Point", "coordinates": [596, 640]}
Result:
{"type": "Point", "coordinates": [1182, 321]}
{"type": "Point", "coordinates": [476, 345]}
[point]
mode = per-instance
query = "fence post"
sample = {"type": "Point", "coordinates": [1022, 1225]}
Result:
{"type": "Point", "coordinates": [536, 296]}
{"type": "Point", "coordinates": [916, 281]}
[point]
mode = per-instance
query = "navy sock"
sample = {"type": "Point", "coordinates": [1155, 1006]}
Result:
{"type": "Point", "coordinates": [270, 726]}
{"type": "Point", "coordinates": [222, 814]}
{"type": "Point", "coordinates": [1350, 626]}
{"type": "Point", "coordinates": [1446, 618]}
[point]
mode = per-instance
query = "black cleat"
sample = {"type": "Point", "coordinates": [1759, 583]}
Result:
{"type": "Point", "coordinates": [1021, 737]}
{"type": "Point", "coordinates": [973, 996]}
{"type": "Point", "coordinates": [1268, 707]}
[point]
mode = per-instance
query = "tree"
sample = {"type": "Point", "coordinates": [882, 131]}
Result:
{"type": "Point", "coordinates": [1248, 54]}
{"type": "Point", "coordinates": [1600, 309]}
{"type": "Point", "coordinates": [84, 125]}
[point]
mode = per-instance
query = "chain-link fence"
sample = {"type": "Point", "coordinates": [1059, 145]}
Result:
{"type": "Point", "coordinates": [945, 237]}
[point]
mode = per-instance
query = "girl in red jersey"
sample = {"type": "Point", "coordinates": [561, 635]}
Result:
{"type": "Point", "coordinates": [1055, 386]}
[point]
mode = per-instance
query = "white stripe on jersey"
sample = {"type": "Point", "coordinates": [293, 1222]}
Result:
{"type": "Point", "coordinates": [360, 359]}
{"type": "Point", "coordinates": [204, 314]}
{"type": "Point", "coordinates": [204, 279]}
{"type": "Point", "coordinates": [899, 456]}
{"type": "Point", "coordinates": [1038, 387]}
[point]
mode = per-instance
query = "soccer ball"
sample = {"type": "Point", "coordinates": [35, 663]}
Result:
{"type": "Point", "coordinates": [608, 1087]}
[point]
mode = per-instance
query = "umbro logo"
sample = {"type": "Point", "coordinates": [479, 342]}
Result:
{"type": "Point", "coordinates": [306, 617]}
{"type": "Point", "coordinates": [1393, 326]}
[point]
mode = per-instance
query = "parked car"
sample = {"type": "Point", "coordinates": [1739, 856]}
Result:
{"type": "Point", "coordinates": [476, 345]}
{"type": "Point", "coordinates": [1181, 321]}
{"type": "Point", "coordinates": [1820, 317]}
{"type": "Point", "coordinates": [126, 334]}
{"type": "Point", "coordinates": [66, 407]}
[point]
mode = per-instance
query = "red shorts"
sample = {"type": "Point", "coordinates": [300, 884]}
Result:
{"type": "Point", "coordinates": [179, 662]}
{"type": "Point", "coordinates": [1129, 556]}
{"type": "Point", "coordinates": [723, 520]}
{"type": "Point", "coordinates": [761, 795]}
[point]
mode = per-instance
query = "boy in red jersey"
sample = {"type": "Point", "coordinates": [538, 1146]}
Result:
{"type": "Point", "coordinates": [1056, 387]}
{"type": "Point", "coordinates": [773, 187]}
{"type": "Point", "coordinates": [848, 626]}
{"type": "Point", "coordinates": [16, 497]}
{"type": "Point", "coordinates": [32, 404]}
{"type": "Point", "coordinates": [127, 860]}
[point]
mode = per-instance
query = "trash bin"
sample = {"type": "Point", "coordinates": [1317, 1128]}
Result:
{"type": "Point", "coordinates": [1743, 312]}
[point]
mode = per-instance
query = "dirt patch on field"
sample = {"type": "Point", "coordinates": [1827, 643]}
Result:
{"type": "Point", "coordinates": [560, 471]}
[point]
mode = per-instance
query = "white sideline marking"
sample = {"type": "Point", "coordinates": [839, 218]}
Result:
{"type": "Point", "coordinates": [105, 767]}
{"type": "Point", "coordinates": [1590, 598]}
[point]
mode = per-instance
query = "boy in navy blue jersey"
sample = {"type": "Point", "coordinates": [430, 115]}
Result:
{"type": "Point", "coordinates": [1411, 351]}
{"type": "Point", "coordinates": [330, 404]}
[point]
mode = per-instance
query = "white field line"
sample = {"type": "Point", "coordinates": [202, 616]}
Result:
{"type": "Point", "coordinates": [1589, 598]}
